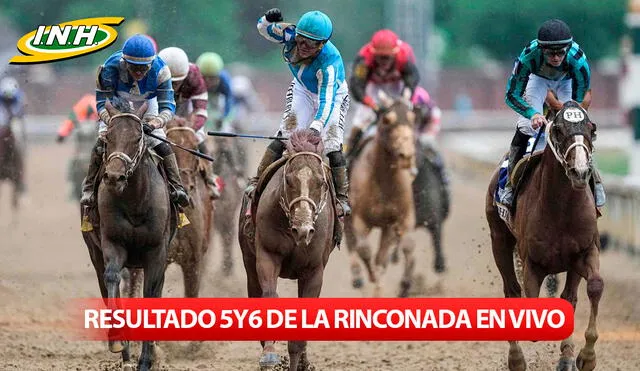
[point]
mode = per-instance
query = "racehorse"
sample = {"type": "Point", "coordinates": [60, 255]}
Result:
{"type": "Point", "coordinates": [191, 242]}
{"type": "Point", "coordinates": [554, 227]}
{"type": "Point", "coordinates": [290, 232]}
{"type": "Point", "coordinates": [11, 163]}
{"type": "Point", "coordinates": [136, 221]}
{"type": "Point", "coordinates": [381, 195]}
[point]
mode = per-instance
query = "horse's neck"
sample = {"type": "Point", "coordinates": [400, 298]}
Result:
{"type": "Point", "coordinates": [138, 191]}
{"type": "Point", "coordinates": [388, 174]}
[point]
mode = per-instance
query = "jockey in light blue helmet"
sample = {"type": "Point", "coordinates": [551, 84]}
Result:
{"type": "Point", "coordinates": [318, 97]}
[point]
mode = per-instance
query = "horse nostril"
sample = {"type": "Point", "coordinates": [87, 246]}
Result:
{"type": "Point", "coordinates": [122, 178]}
{"type": "Point", "coordinates": [311, 232]}
{"type": "Point", "coordinates": [294, 230]}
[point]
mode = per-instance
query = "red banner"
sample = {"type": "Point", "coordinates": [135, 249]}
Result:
{"type": "Point", "coordinates": [324, 319]}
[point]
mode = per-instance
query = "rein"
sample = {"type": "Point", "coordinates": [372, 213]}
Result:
{"type": "Point", "coordinates": [288, 205]}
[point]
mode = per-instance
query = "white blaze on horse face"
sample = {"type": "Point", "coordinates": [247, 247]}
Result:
{"type": "Point", "coordinates": [304, 175]}
{"type": "Point", "coordinates": [581, 160]}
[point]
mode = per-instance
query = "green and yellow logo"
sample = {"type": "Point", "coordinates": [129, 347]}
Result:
{"type": "Point", "coordinates": [66, 40]}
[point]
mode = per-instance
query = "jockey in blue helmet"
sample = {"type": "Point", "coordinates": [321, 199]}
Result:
{"type": "Point", "coordinates": [135, 74]}
{"type": "Point", "coordinates": [318, 96]}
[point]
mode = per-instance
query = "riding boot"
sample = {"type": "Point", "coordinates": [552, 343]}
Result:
{"type": "Point", "coordinates": [88, 184]}
{"type": "Point", "coordinates": [341, 182]}
{"type": "Point", "coordinates": [271, 155]}
{"type": "Point", "coordinates": [598, 191]}
{"type": "Point", "coordinates": [178, 193]}
{"type": "Point", "coordinates": [354, 139]}
{"type": "Point", "coordinates": [209, 175]}
{"type": "Point", "coordinates": [517, 149]}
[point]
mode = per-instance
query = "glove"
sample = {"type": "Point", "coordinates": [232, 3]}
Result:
{"type": "Point", "coordinates": [315, 132]}
{"type": "Point", "coordinates": [59, 139]}
{"type": "Point", "coordinates": [368, 101]}
{"type": "Point", "coordinates": [273, 15]}
{"type": "Point", "coordinates": [147, 128]}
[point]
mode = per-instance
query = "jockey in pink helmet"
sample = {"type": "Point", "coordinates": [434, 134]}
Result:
{"type": "Point", "coordinates": [427, 128]}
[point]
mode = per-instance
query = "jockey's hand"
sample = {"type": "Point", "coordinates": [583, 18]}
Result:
{"type": "Point", "coordinates": [155, 122]}
{"type": "Point", "coordinates": [147, 128]}
{"type": "Point", "coordinates": [59, 139]}
{"type": "Point", "coordinates": [273, 15]}
{"type": "Point", "coordinates": [315, 132]}
{"type": "Point", "coordinates": [537, 121]}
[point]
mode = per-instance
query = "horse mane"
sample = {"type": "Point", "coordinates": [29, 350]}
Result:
{"type": "Point", "coordinates": [121, 105]}
{"type": "Point", "coordinates": [304, 140]}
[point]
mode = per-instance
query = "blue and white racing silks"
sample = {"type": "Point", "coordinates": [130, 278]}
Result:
{"type": "Point", "coordinates": [324, 76]}
{"type": "Point", "coordinates": [114, 80]}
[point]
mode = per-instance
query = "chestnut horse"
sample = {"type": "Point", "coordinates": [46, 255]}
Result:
{"type": "Point", "coordinates": [554, 228]}
{"type": "Point", "coordinates": [136, 220]}
{"type": "Point", "coordinates": [294, 232]}
{"type": "Point", "coordinates": [381, 195]}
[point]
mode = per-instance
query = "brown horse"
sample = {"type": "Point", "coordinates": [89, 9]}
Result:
{"type": "Point", "coordinates": [231, 195]}
{"type": "Point", "coordinates": [554, 228]}
{"type": "Point", "coordinates": [382, 196]}
{"type": "Point", "coordinates": [294, 232]}
{"type": "Point", "coordinates": [191, 242]}
{"type": "Point", "coordinates": [11, 163]}
{"type": "Point", "coordinates": [136, 220]}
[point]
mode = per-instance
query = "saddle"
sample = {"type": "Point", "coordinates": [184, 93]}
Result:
{"type": "Point", "coordinates": [250, 202]}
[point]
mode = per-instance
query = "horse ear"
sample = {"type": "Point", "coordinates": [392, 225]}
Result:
{"type": "Point", "coordinates": [142, 110]}
{"type": "Point", "coordinates": [384, 99]}
{"type": "Point", "coordinates": [110, 108]}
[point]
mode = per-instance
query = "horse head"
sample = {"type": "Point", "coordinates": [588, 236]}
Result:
{"type": "Point", "coordinates": [125, 144]}
{"type": "Point", "coordinates": [396, 130]}
{"type": "Point", "coordinates": [570, 137]}
{"type": "Point", "coordinates": [305, 185]}
{"type": "Point", "coordinates": [180, 131]}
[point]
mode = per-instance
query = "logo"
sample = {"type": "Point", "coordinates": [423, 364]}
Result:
{"type": "Point", "coordinates": [66, 40]}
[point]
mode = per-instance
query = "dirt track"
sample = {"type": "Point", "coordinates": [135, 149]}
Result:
{"type": "Point", "coordinates": [43, 263]}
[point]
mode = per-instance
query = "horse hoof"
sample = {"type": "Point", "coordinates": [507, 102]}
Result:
{"type": "Point", "coordinates": [566, 364]}
{"type": "Point", "coordinates": [586, 360]}
{"type": "Point", "coordinates": [128, 366]}
{"type": "Point", "coordinates": [358, 283]}
{"type": "Point", "coordinates": [116, 346]}
{"type": "Point", "coordinates": [439, 266]}
{"type": "Point", "coordinates": [268, 360]}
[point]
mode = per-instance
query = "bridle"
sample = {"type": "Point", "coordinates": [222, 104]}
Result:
{"type": "Point", "coordinates": [130, 163]}
{"type": "Point", "coordinates": [563, 158]}
{"type": "Point", "coordinates": [288, 205]}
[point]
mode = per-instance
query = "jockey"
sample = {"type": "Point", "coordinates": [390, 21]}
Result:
{"type": "Point", "coordinates": [218, 83]}
{"type": "Point", "coordinates": [136, 75]}
{"type": "Point", "coordinates": [191, 97]}
{"type": "Point", "coordinates": [553, 62]}
{"type": "Point", "coordinates": [427, 127]}
{"type": "Point", "coordinates": [83, 111]}
{"type": "Point", "coordinates": [12, 107]}
{"type": "Point", "coordinates": [384, 63]}
{"type": "Point", "coordinates": [318, 97]}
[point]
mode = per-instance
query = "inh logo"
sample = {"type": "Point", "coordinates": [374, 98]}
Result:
{"type": "Point", "coordinates": [66, 40]}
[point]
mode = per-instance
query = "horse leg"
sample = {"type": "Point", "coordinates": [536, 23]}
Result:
{"type": "Point", "coordinates": [408, 247]}
{"type": "Point", "coordinates": [589, 268]}
{"type": "Point", "coordinates": [502, 246]}
{"type": "Point", "coordinates": [570, 294]}
{"type": "Point", "coordinates": [133, 284]}
{"type": "Point", "coordinates": [389, 239]}
{"type": "Point", "coordinates": [154, 267]}
{"type": "Point", "coordinates": [356, 232]}
{"type": "Point", "coordinates": [191, 271]}
{"type": "Point", "coordinates": [114, 257]}
{"type": "Point", "coordinates": [435, 229]}
{"type": "Point", "coordinates": [308, 287]}
{"type": "Point", "coordinates": [268, 270]}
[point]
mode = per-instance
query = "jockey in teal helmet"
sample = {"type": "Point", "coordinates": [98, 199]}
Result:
{"type": "Point", "coordinates": [318, 96]}
{"type": "Point", "coordinates": [135, 74]}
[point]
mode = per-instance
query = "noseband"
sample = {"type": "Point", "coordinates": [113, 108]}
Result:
{"type": "Point", "coordinates": [563, 159]}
